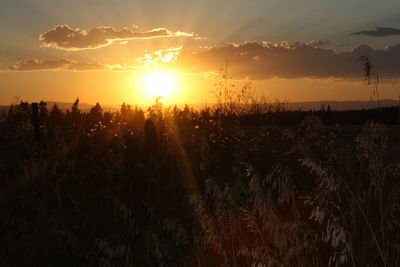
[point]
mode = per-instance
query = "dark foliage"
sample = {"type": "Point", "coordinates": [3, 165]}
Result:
{"type": "Point", "coordinates": [210, 187]}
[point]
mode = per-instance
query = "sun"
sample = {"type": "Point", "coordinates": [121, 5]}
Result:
{"type": "Point", "coordinates": [159, 83]}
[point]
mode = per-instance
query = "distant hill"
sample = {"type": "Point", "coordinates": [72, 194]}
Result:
{"type": "Point", "coordinates": [334, 105]}
{"type": "Point", "coordinates": [341, 105]}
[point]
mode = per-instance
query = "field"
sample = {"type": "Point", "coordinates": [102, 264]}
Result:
{"type": "Point", "coordinates": [220, 186]}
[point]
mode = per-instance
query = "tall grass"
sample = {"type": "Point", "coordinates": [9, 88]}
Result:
{"type": "Point", "coordinates": [221, 186]}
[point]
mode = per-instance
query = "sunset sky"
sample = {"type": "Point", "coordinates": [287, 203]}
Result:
{"type": "Point", "coordinates": [111, 51]}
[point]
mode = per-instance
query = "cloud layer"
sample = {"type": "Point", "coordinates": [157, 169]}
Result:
{"type": "Point", "coordinates": [379, 32]}
{"type": "Point", "coordinates": [65, 38]}
{"type": "Point", "coordinates": [253, 60]}
{"type": "Point", "coordinates": [56, 64]}
{"type": "Point", "coordinates": [267, 60]}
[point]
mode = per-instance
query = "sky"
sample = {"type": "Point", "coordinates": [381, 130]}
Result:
{"type": "Point", "coordinates": [103, 50]}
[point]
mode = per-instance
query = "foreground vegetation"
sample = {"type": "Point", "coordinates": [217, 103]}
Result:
{"type": "Point", "coordinates": [213, 187]}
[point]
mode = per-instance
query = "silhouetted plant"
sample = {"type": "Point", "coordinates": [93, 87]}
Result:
{"type": "Point", "coordinates": [224, 186]}
{"type": "Point", "coordinates": [370, 75]}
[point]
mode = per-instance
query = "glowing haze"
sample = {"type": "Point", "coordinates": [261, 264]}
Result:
{"type": "Point", "coordinates": [135, 51]}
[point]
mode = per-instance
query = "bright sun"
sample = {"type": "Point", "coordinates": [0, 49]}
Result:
{"type": "Point", "coordinates": [159, 83]}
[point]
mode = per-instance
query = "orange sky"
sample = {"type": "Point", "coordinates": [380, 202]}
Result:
{"type": "Point", "coordinates": [117, 87]}
{"type": "Point", "coordinates": [60, 50]}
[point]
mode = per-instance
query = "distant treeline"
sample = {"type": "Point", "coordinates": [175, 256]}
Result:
{"type": "Point", "coordinates": [276, 113]}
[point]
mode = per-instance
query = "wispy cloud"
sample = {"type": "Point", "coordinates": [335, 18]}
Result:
{"type": "Point", "coordinates": [63, 64]}
{"type": "Point", "coordinates": [149, 59]}
{"type": "Point", "coordinates": [267, 60]}
{"type": "Point", "coordinates": [65, 38]}
{"type": "Point", "coordinates": [379, 32]}
{"type": "Point", "coordinates": [56, 64]}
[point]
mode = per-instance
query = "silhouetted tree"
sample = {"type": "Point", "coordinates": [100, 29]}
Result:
{"type": "Point", "coordinates": [75, 107]}
{"type": "Point", "coordinates": [151, 138]}
{"type": "Point", "coordinates": [75, 115]}
{"type": "Point", "coordinates": [43, 112]}
{"type": "Point", "coordinates": [95, 114]}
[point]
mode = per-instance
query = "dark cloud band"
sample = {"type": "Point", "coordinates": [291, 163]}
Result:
{"type": "Point", "coordinates": [379, 32]}
{"type": "Point", "coordinates": [266, 60]}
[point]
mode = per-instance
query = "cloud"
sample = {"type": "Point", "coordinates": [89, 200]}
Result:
{"type": "Point", "coordinates": [149, 59]}
{"type": "Point", "coordinates": [65, 38]}
{"type": "Point", "coordinates": [268, 60]}
{"type": "Point", "coordinates": [56, 64]}
{"type": "Point", "coordinates": [379, 32]}
{"type": "Point", "coordinates": [317, 43]}
{"type": "Point", "coordinates": [160, 57]}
